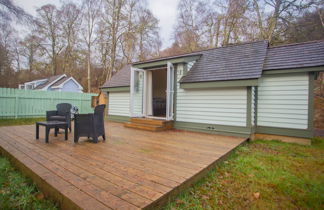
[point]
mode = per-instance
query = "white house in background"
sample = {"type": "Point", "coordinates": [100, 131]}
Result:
{"type": "Point", "coordinates": [54, 83]}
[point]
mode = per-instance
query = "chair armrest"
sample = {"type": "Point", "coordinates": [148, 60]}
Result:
{"type": "Point", "coordinates": [50, 113]}
{"type": "Point", "coordinates": [83, 116]}
{"type": "Point", "coordinates": [83, 119]}
{"type": "Point", "coordinates": [68, 116]}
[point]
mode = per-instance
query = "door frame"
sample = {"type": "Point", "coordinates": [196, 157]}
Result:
{"type": "Point", "coordinates": [169, 93]}
{"type": "Point", "coordinates": [132, 92]}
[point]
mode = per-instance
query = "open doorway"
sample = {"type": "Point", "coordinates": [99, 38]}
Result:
{"type": "Point", "coordinates": [159, 85]}
{"type": "Point", "coordinates": [152, 92]}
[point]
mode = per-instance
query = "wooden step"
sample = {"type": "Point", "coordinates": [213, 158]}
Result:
{"type": "Point", "coordinates": [147, 127]}
{"type": "Point", "coordinates": [150, 121]}
{"type": "Point", "coordinates": [149, 124]}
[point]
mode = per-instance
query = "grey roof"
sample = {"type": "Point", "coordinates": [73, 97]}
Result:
{"type": "Point", "coordinates": [235, 62]}
{"type": "Point", "coordinates": [60, 81]}
{"type": "Point", "coordinates": [307, 54]}
{"type": "Point", "coordinates": [49, 81]}
{"type": "Point", "coordinates": [238, 62]}
{"type": "Point", "coordinates": [120, 79]}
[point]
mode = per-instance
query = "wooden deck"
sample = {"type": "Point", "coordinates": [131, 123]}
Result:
{"type": "Point", "coordinates": [132, 169]}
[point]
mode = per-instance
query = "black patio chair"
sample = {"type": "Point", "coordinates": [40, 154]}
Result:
{"type": "Point", "coordinates": [90, 125]}
{"type": "Point", "coordinates": [62, 113]}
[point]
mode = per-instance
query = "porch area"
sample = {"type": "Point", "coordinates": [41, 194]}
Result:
{"type": "Point", "coordinates": [132, 169]}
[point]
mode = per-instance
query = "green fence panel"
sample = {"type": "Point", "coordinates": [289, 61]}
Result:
{"type": "Point", "coordinates": [15, 103]}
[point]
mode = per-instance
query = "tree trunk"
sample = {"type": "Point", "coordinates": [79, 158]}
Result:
{"type": "Point", "coordinates": [89, 68]}
{"type": "Point", "coordinates": [273, 21]}
{"type": "Point", "coordinates": [260, 24]}
{"type": "Point", "coordinates": [320, 17]}
{"type": "Point", "coordinates": [219, 20]}
{"type": "Point", "coordinates": [53, 59]}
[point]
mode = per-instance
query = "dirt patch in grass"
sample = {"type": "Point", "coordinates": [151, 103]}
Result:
{"type": "Point", "coordinates": [18, 192]}
{"type": "Point", "coordinates": [262, 175]}
{"type": "Point", "coordinates": [265, 148]}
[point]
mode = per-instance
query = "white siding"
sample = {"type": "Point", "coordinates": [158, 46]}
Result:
{"type": "Point", "coordinates": [221, 106]}
{"type": "Point", "coordinates": [283, 101]}
{"type": "Point", "coordinates": [118, 103]}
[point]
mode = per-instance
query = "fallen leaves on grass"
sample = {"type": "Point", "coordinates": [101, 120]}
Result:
{"type": "Point", "coordinates": [179, 202]}
{"type": "Point", "coordinates": [205, 197]}
{"type": "Point", "coordinates": [39, 196]}
{"type": "Point", "coordinates": [256, 195]}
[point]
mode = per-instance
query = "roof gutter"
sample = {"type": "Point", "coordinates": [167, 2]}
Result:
{"type": "Point", "coordinates": [218, 84]}
{"type": "Point", "coordinates": [163, 62]}
{"type": "Point", "coordinates": [115, 89]}
{"type": "Point", "coordinates": [294, 70]}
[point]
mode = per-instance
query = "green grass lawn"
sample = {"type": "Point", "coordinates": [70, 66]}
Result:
{"type": "Point", "coordinates": [262, 175]}
{"type": "Point", "coordinates": [18, 192]}
{"type": "Point", "coordinates": [20, 121]}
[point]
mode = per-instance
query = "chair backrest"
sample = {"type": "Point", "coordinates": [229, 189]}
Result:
{"type": "Point", "coordinates": [99, 110]}
{"type": "Point", "coordinates": [63, 108]}
{"type": "Point", "coordinates": [99, 119]}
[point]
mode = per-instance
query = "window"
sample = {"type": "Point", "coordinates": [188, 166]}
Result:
{"type": "Point", "coordinates": [190, 65]}
{"type": "Point", "coordinates": [29, 86]}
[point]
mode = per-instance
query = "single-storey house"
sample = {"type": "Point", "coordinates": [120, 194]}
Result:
{"type": "Point", "coordinates": [237, 90]}
{"type": "Point", "coordinates": [61, 83]}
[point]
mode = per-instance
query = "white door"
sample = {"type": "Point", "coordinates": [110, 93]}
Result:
{"type": "Point", "coordinates": [137, 91]}
{"type": "Point", "coordinates": [170, 91]}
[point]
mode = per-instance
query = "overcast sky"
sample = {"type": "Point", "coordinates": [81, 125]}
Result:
{"type": "Point", "coordinates": [164, 10]}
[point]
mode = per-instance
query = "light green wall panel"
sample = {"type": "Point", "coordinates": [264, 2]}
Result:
{"type": "Point", "coordinates": [283, 101]}
{"type": "Point", "coordinates": [119, 103]}
{"type": "Point", "coordinates": [222, 106]}
{"type": "Point", "coordinates": [15, 103]}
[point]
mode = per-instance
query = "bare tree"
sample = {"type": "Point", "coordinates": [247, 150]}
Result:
{"type": "Point", "coordinates": [17, 53]}
{"type": "Point", "coordinates": [235, 10]}
{"type": "Point", "coordinates": [30, 47]}
{"type": "Point", "coordinates": [187, 31]}
{"type": "Point", "coordinates": [49, 28]}
{"type": "Point", "coordinates": [212, 24]}
{"type": "Point", "coordinates": [6, 61]}
{"type": "Point", "coordinates": [113, 17]}
{"type": "Point", "coordinates": [90, 15]}
{"type": "Point", "coordinates": [9, 11]}
{"type": "Point", "coordinates": [319, 7]}
{"type": "Point", "coordinates": [70, 13]}
{"type": "Point", "coordinates": [282, 12]}
{"type": "Point", "coordinates": [204, 24]}
{"type": "Point", "coordinates": [148, 35]}
{"type": "Point", "coordinates": [129, 37]}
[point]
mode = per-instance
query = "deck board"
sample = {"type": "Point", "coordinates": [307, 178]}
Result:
{"type": "Point", "coordinates": [133, 169]}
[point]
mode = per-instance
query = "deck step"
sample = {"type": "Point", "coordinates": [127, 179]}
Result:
{"type": "Point", "coordinates": [149, 121]}
{"type": "Point", "coordinates": [149, 124]}
{"type": "Point", "coordinates": [144, 126]}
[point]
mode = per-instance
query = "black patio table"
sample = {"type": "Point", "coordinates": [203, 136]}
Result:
{"type": "Point", "coordinates": [52, 124]}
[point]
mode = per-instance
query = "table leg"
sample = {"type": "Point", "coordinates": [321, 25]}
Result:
{"type": "Point", "coordinates": [37, 131]}
{"type": "Point", "coordinates": [47, 134]}
{"type": "Point", "coordinates": [66, 133]}
{"type": "Point", "coordinates": [56, 131]}
{"type": "Point", "coordinates": [95, 139]}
